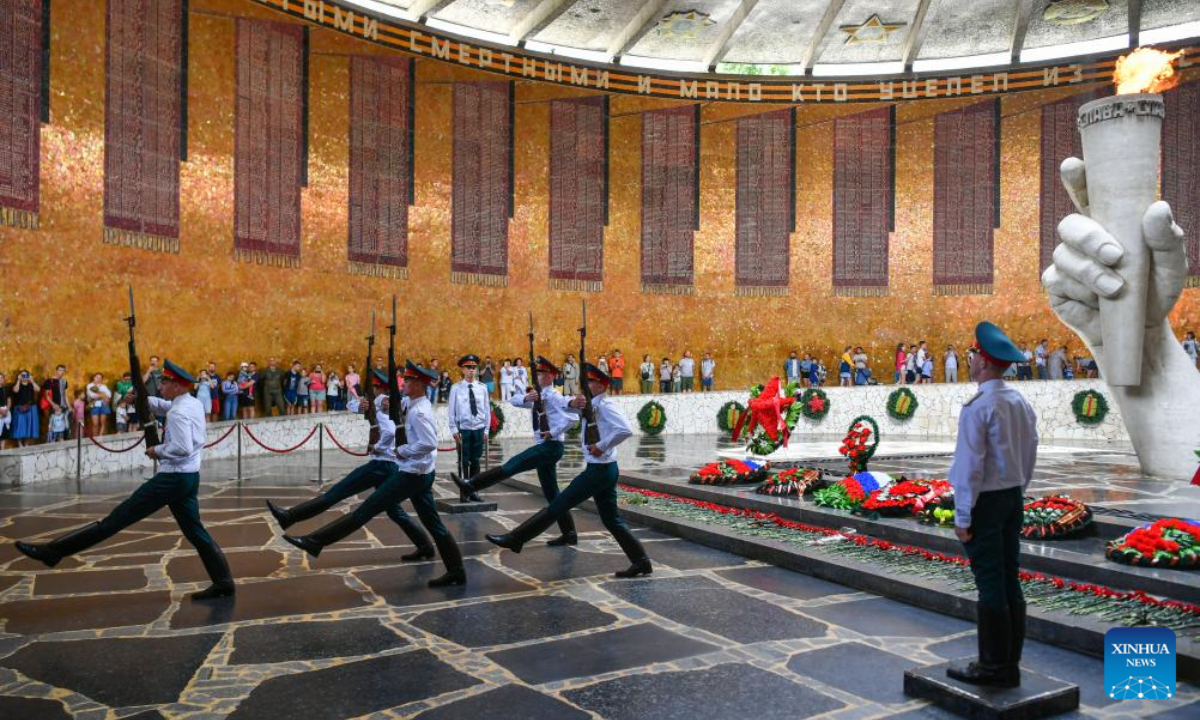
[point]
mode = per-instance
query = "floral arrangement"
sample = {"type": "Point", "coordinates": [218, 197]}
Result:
{"type": "Point", "coordinates": [730, 472]}
{"type": "Point", "coordinates": [1196, 477]}
{"type": "Point", "coordinates": [762, 418]}
{"type": "Point", "coordinates": [1090, 407]}
{"type": "Point", "coordinates": [729, 415]}
{"type": "Point", "coordinates": [1166, 543]}
{"type": "Point", "coordinates": [652, 418]}
{"type": "Point", "coordinates": [852, 491]}
{"type": "Point", "coordinates": [939, 511]}
{"type": "Point", "coordinates": [860, 443]}
{"type": "Point", "coordinates": [814, 403]}
{"type": "Point", "coordinates": [793, 481]}
{"type": "Point", "coordinates": [902, 404]}
{"type": "Point", "coordinates": [905, 497]}
{"type": "Point", "coordinates": [1055, 516]}
{"type": "Point", "coordinates": [497, 422]}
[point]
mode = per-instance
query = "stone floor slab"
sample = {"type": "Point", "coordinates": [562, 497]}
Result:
{"type": "Point", "coordinates": [406, 585]}
{"type": "Point", "coordinates": [23, 708]}
{"type": "Point", "coordinates": [89, 581]}
{"type": "Point", "coordinates": [244, 564]}
{"type": "Point", "coordinates": [702, 603]}
{"type": "Point", "coordinates": [250, 534]}
{"type": "Point", "coordinates": [125, 544]}
{"type": "Point", "coordinates": [353, 689]}
{"type": "Point", "coordinates": [563, 563]}
{"type": "Point", "coordinates": [684, 555]}
{"type": "Point", "coordinates": [40, 527]}
{"type": "Point", "coordinates": [88, 612]}
{"type": "Point", "coordinates": [511, 621]}
{"type": "Point", "coordinates": [304, 595]}
{"type": "Point", "coordinates": [597, 653]}
{"type": "Point", "coordinates": [888, 618]}
{"type": "Point", "coordinates": [282, 642]}
{"type": "Point", "coordinates": [858, 669]}
{"type": "Point", "coordinates": [717, 693]}
{"type": "Point", "coordinates": [117, 672]}
{"type": "Point", "coordinates": [787, 583]}
{"type": "Point", "coordinates": [514, 701]}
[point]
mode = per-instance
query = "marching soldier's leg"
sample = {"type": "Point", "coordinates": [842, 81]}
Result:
{"type": "Point", "coordinates": [606, 505]}
{"type": "Point", "coordinates": [447, 547]}
{"type": "Point", "coordinates": [364, 476]}
{"type": "Point", "coordinates": [187, 514]}
{"type": "Point", "coordinates": [580, 489]}
{"type": "Point", "coordinates": [417, 536]}
{"type": "Point", "coordinates": [548, 478]}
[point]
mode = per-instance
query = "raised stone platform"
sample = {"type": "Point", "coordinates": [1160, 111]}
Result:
{"type": "Point", "coordinates": [1040, 696]}
{"type": "Point", "coordinates": [454, 507]}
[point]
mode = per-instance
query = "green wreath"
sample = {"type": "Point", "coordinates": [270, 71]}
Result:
{"type": "Point", "coordinates": [652, 418]}
{"type": "Point", "coordinates": [729, 414]}
{"type": "Point", "coordinates": [1090, 407]}
{"type": "Point", "coordinates": [814, 404]}
{"type": "Point", "coordinates": [902, 404]}
{"type": "Point", "coordinates": [497, 423]}
{"type": "Point", "coordinates": [858, 462]}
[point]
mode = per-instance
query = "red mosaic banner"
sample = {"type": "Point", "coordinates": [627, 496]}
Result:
{"type": "Point", "coordinates": [862, 201]}
{"type": "Point", "coordinates": [381, 171]}
{"type": "Point", "coordinates": [964, 199]}
{"type": "Point", "coordinates": [1180, 163]}
{"type": "Point", "coordinates": [482, 187]}
{"type": "Point", "coordinates": [21, 37]}
{"type": "Point", "coordinates": [578, 195]}
{"type": "Point", "coordinates": [670, 144]}
{"type": "Point", "coordinates": [268, 142]}
{"type": "Point", "coordinates": [143, 75]}
{"type": "Point", "coordinates": [765, 202]}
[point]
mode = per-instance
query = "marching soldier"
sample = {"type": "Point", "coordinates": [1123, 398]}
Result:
{"type": "Point", "coordinates": [993, 463]}
{"type": "Point", "coordinates": [174, 486]}
{"type": "Point", "coordinates": [378, 469]}
{"type": "Point", "coordinates": [412, 478]}
{"type": "Point", "coordinates": [598, 481]}
{"type": "Point", "coordinates": [469, 416]}
{"type": "Point", "coordinates": [544, 454]}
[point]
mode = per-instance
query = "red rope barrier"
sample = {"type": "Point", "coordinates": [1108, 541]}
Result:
{"type": "Point", "coordinates": [275, 450]}
{"type": "Point", "coordinates": [115, 451]}
{"type": "Point", "coordinates": [218, 440]}
{"type": "Point", "coordinates": [342, 447]}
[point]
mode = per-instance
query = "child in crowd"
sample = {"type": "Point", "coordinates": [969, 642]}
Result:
{"type": "Point", "coordinates": [59, 424]}
{"type": "Point", "coordinates": [303, 392]}
{"type": "Point", "coordinates": [927, 371]}
{"type": "Point", "coordinates": [122, 413]}
{"type": "Point", "coordinates": [78, 408]}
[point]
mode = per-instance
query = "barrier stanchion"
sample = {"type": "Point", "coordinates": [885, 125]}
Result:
{"type": "Point", "coordinates": [79, 453]}
{"type": "Point", "coordinates": [320, 452]}
{"type": "Point", "coordinates": [239, 451]}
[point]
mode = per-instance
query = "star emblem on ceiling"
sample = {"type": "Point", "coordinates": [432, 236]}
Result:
{"type": "Point", "coordinates": [873, 30]}
{"type": "Point", "coordinates": [685, 24]}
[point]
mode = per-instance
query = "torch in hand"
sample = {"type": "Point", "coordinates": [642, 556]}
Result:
{"type": "Point", "coordinates": [1121, 138]}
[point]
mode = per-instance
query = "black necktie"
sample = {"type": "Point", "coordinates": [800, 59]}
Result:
{"type": "Point", "coordinates": [471, 394]}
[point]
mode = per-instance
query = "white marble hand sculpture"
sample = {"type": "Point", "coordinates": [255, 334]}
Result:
{"type": "Point", "coordinates": [1162, 415]}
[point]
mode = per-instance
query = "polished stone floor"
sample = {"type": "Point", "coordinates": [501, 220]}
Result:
{"type": "Point", "coordinates": [544, 634]}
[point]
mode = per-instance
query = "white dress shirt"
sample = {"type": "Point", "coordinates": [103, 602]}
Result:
{"type": "Point", "coordinates": [997, 446]}
{"type": "Point", "coordinates": [183, 437]}
{"type": "Point", "coordinates": [385, 448]}
{"type": "Point", "coordinates": [560, 416]}
{"type": "Point", "coordinates": [419, 454]}
{"type": "Point", "coordinates": [614, 430]}
{"type": "Point", "coordinates": [459, 415]}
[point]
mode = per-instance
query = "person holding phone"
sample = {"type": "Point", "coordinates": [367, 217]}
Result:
{"type": "Point", "coordinates": [25, 421]}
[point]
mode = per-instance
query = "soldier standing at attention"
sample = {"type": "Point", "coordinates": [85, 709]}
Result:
{"type": "Point", "coordinates": [412, 478]}
{"type": "Point", "coordinates": [993, 462]}
{"type": "Point", "coordinates": [598, 481]}
{"type": "Point", "coordinates": [469, 416]}
{"type": "Point", "coordinates": [174, 486]}
{"type": "Point", "coordinates": [272, 385]}
{"type": "Point", "coordinates": [544, 454]}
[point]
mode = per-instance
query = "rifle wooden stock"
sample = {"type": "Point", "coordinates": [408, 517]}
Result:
{"type": "Point", "coordinates": [141, 398]}
{"type": "Point", "coordinates": [542, 423]}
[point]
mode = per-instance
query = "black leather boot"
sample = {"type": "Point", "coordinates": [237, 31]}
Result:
{"type": "Point", "coordinates": [516, 538]}
{"type": "Point", "coordinates": [482, 481]}
{"type": "Point", "coordinates": [452, 557]}
{"type": "Point", "coordinates": [634, 551]}
{"type": "Point", "coordinates": [417, 536]}
{"type": "Point", "coordinates": [995, 642]}
{"type": "Point", "coordinates": [569, 537]}
{"type": "Point", "coordinates": [1016, 614]}
{"type": "Point", "coordinates": [473, 495]}
{"type": "Point", "coordinates": [53, 552]}
{"type": "Point", "coordinates": [305, 510]}
{"type": "Point", "coordinates": [218, 570]}
{"type": "Point", "coordinates": [316, 541]}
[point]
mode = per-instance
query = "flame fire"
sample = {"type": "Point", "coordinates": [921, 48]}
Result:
{"type": "Point", "coordinates": [1146, 70]}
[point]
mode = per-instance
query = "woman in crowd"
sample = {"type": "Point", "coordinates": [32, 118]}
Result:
{"type": "Point", "coordinates": [333, 392]}
{"type": "Point", "coordinates": [520, 383]}
{"type": "Point", "coordinates": [25, 419]}
{"type": "Point", "coordinates": [646, 372]}
{"type": "Point", "coordinates": [950, 364]}
{"type": "Point", "coordinates": [506, 381]}
{"type": "Point", "coordinates": [676, 379]}
{"type": "Point", "coordinates": [203, 394]}
{"type": "Point", "coordinates": [845, 367]}
{"type": "Point", "coordinates": [291, 388]}
{"type": "Point", "coordinates": [487, 376]}
{"type": "Point", "coordinates": [901, 362]}
{"type": "Point", "coordinates": [862, 370]}
{"type": "Point", "coordinates": [5, 411]}
{"type": "Point", "coordinates": [229, 397]}
{"type": "Point", "coordinates": [317, 388]}
{"type": "Point", "coordinates": [351, 382]}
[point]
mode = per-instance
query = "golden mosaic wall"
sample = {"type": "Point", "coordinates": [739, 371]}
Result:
{"type": "Point", "coordinates": [64, 297]}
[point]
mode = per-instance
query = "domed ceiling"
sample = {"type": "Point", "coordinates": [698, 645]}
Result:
{"type": "Point", "coordinates": [808, 37]}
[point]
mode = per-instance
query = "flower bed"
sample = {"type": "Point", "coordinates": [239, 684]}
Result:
{"type": "Point", "coordinates": [905, 497]}
{"type": "Point", "coordinates": [1167, 543]}
{"type": "Point", "coordinates": [851, 492]}
{"type": "Point", "coordinates": [730, 472]}
{"type": "Point", "coordinates": [792, 482]}
{"type": "Point", "coordinates": [1055, 516]}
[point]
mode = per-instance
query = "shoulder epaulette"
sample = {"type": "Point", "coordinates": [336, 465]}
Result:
{"type": "Point", "coordinates": [977, 396]}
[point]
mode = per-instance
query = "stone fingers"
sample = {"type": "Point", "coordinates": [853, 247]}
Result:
{"type": "Point", "coordinates": [1087, 270]}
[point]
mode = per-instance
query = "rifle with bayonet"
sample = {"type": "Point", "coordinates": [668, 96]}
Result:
{"type": "Point", "coordinates": [141, 398]}
{"type": "Point", "coordinates": [368, 388]}
{"type": "Point", "coordinates": [591, 433]}
{"type": "Point", "coordinates": [541, 424]}
{"type": "Point", "coordinates": [395, 411]}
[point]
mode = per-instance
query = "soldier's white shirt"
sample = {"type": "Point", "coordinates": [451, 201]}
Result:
{"type": "Point", "coordinates": [419, 454]}
{"type": "Point", "coordinates": [559, 414]}
{"type": "Point", "coordinates": [996, 449]}
{"type": "Point", "coordinates": [182, 445]}
{"type": "Point", "coordinates": [614, 430]}
{"type": "Point", "coordinates": [459, 407]}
